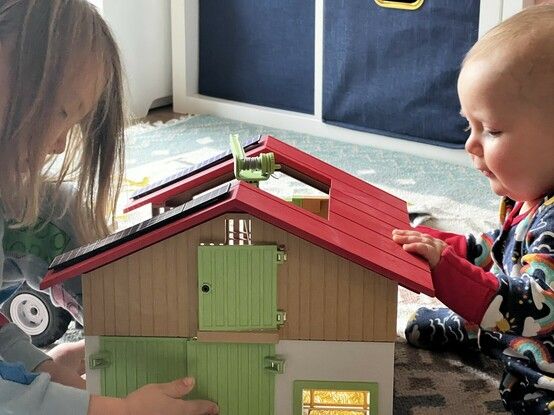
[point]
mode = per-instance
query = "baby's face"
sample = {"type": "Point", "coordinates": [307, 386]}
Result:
{"type": "Point", "coordinates": [512, 136]}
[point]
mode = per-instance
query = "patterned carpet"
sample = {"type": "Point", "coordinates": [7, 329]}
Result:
{"type": "Point", "coordinates": [444, 383]}
{"type": "Point", "coordinates": [456, 198]}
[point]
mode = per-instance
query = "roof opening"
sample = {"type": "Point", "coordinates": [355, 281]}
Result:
{"type": "Point", "coordinates": [296, 191]}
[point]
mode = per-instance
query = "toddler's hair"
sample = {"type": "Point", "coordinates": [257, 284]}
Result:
{"type": "Point", "coordinates": [525, 42]}
{"type": "Point", "coordinates": [533, 23]}
{"type": "Point", "coordinates": [50, 40]}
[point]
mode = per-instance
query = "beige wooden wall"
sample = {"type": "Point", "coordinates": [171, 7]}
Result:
{"type": "Point", "coordinates": [154, 291]}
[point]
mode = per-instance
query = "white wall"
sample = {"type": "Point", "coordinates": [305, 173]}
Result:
{"type": "Point", "coordinates": [142, 29]}
{"type": "Point", "coordinates": [338, 361]}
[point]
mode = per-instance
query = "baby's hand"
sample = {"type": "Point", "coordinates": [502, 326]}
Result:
{"type": "Point", "coordinates": [420, 243]}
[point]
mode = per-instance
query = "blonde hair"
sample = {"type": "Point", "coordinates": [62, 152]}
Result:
{"type": "Point", "coordinates": [48, 37]}
{"type": "Point", "coordinates": [524, 43]}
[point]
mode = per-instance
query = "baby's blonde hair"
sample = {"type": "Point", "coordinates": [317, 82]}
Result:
{"type": "Point", "coordinates": [525, 43]}
{"type": "Point", "coordinates": [48, 37]}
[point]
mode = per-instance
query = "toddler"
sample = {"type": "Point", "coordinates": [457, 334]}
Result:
{"type": "Point", "coordinates": [499, 286]}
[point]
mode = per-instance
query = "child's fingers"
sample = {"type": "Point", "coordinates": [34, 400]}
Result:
{"type": "Point", "coordinates": [407, 239]}
{"type": "Point", "coordinates": [201, 408]}
{"type": "Point", "coordinates": [417, 248]}
{"type": "Point", "coordinates": [178, 388]}
{"type": "Point", "coordinates": [398, 233]}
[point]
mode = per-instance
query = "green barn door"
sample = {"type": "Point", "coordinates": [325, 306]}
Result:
{"type": "Point", "coordinates": [127, 363]}
{"type": "Point", "coordinates": [237, 287]}
{"type": "Point", "coordinates": [239, 377]}
{"type": "Point", "coordinates": [233, 375]}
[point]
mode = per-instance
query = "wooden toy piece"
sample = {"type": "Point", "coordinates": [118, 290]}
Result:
{"type": "Point", "coordinates": [274, 301]}
{"type": "Point", "coordinates": [315, 204]}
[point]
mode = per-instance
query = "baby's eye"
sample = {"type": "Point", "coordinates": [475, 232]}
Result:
{"type": "Point", "coordinates": [493, 133]}
{"type": "Point", "coordinates": [467, 128]}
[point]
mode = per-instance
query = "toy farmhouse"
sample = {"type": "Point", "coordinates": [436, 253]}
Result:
{"type": "Point", "coordinates": [274, 306]}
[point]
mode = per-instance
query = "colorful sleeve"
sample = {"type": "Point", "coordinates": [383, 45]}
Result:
{"type": "Point", "coordinates": [522, 303]}
{"type": "Point", "coordinates": [475, 248]}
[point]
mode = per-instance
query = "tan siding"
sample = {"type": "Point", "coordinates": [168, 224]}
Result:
{"type": "Point", "coordinates": [332, 299]}
{"type": "Point", "coordinates": [356, 302]}
{"type": "Point", "coordinates": [369, 306]}
{"type": "Point", "coordinates": [171, 286]}
{"type": "Point", "coordinates": [121, 306]}
{"type": "Point", "coordinates": [109, 276]}
{"type": "Point", "coordinates": [343, 295]}
{"type": "Point", "coordinates": [134, 296]}
{"type": "Point", "coordinates": [159, 289]}
{"type": "Point", "coordinates": [146, 315]}
{"type": "Point", "coordinates": [317, 293]}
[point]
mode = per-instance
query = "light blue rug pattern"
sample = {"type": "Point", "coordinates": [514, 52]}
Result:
{"type": "Point", "coordinates": [457, 196]}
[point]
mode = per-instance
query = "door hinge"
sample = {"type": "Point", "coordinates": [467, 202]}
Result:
{"type": "Point", "coordinates": [281, 257]}
{"type": "Point", "coordinates": [281, 317]}
{"type": "Point", "coordinates": [99, 360]}
{"type": "Point", "coordinates": [274, 364]}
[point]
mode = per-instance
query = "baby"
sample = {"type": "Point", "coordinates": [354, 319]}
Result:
{"type": "Point", "coordinates": [499, 286]}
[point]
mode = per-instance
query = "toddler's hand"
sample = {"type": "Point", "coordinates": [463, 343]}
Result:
{"type": "Point", "coordinates": [420, 243]}
{"type": "Point", "coordinates": [165, 398]}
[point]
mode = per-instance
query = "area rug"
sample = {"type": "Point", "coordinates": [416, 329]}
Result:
{"type": "Point", "coordinates": [445, 196]}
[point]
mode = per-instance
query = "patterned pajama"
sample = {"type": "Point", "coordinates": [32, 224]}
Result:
{"type": "Point", "coordinates": [500, 286]}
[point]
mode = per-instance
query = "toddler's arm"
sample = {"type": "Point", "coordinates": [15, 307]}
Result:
{"type": "Point", "coordinates": [521, 303]}
{"type": "Point", "coordinates": [475, 248]}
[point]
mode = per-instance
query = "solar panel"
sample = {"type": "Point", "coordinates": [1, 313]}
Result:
{"type": "Point", "coordinates": [79, 254]}
{"type": "Point", "coordinates": [189, 171]}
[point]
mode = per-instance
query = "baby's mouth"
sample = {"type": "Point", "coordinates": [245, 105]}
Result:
{"type": "Point", "coordinates": [487, 173]}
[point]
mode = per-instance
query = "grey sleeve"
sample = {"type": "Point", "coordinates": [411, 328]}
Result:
{"type": "Point", "coordinates": [15, 346]}
{"type": "Point", "coordinates": [42, 397]}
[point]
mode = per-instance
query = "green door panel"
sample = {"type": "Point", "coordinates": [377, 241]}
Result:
{"type": "Point", "coordinates": [136, 361]}
{"type": "Point", "coordinates": [243, 386]}
{"type": "Point", "coordinates": [233, 375]}
{"type": "Point", "coordinates": [237, 287]}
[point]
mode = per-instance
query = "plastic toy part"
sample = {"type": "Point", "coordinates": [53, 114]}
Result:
{"type": "Point", "coordinates": [251, 169]}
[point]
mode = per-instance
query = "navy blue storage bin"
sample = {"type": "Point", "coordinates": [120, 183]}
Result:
{"type": "Point", "coordinates": [258, 52]}
{"type": "Point", "coordinates": [393, 71]}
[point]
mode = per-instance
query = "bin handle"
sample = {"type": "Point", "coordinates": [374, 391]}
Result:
{"type": "Point", "coordinates": [402, 5]}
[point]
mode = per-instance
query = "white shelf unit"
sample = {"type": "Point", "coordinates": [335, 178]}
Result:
{"type": "Point", "coordinates": [142, 29]}
{"type": "Point", "coordinates": [186, 99]}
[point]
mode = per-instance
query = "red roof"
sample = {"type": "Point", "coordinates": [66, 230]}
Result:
{"type": "Point", "coordinates": [361, 218]}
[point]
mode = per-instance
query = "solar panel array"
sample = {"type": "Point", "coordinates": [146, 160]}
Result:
{"type": "Point", "coordinates": [189, 171]}
{"type": "Point", "coordinates": [79, 254]}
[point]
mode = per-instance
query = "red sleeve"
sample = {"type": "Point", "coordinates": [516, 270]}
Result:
{"type": "Point", "coordinates": [3, 320]}
{"type": "Point", "coordinates": [465, 288]}
{"type": "Point", "coordinates": [457, 242]}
